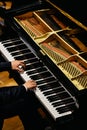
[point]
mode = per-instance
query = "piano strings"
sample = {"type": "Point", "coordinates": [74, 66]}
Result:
{"type": "Point", "coordinates": [34, 25]}
{"type": "Point", "coordinates": [53, 44]}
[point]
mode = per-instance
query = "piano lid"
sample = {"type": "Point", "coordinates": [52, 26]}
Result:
{"type": "Point", "coordinates": [19, 5]}
{"type": "Point", "coordinates": [16, 3]}
{"type": "Point", "coordinates": [13, 7]}
{"type": "Point", "coordinates": [75, 8]}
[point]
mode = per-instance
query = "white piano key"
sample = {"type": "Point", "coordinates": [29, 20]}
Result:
{"type": "Point", "coordinates": [25, 76]}
{"type": "Point", "coordinates": [6, 53]}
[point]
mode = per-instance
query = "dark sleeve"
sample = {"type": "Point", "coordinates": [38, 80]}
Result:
{"type": "Point", "coordinates": [11, 94]}
{"type": "Point", "coordinates": [5, 66]}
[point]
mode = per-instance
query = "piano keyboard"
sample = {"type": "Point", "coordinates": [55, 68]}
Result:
{"type": "Point", "coordinates": [50, 92]}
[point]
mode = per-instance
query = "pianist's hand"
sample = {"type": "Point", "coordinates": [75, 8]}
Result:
{"type": "Point", "coordinates": [30, 84]}
{"type": "Point", "coordinates": [18, 65]}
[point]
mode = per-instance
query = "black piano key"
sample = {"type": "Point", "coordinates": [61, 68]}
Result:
{"type": "Point", "coordinates": [10, 39]}
{"type": "Point", "coordinates": [22, 46]}
{"type": "Point", "coordinates": [31, 55]}
{"type": "Point", "coordinates": [9, 45]}
{"type": "Point", "coordinates": [51, 84]}
{"type": "Point", "coordinates": [66, 108]}
{"type": "Point", "coordinates": [63, 101]}
{"type": "Point", "coordinates": [19, 52]}
{"type": "Point", "coordinates": [35, 65]}
{"type": "Point", "coordinates": [11, 42]}
{"type": "Point", "coordinates": [58, 96]}
{"type": "Point", "coordinates": [24, 56]}
{"type": "Point", "coordinates": [18, 46]}
{"type": "Point", "coordinates": [44, 82]}
{"type": "Point", "coordinates": [40, 76]}
{"type": "Point", "coordinates": [31, 60]}
{"type": "Point", "coordinates": [55, 90]}
{"type": "Point", "coordinates": [38, 70]}
{"type": "Point", "coordinates": [12, 49]}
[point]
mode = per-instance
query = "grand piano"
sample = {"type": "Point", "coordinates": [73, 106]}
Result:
{"type": "Point", "coordinates": [50, 36]}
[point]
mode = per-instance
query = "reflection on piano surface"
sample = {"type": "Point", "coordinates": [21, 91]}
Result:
{"type": "Point", "coordinates": [52, 45]}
